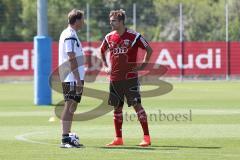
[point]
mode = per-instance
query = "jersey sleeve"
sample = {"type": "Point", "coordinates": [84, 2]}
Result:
{"type": "Point", "coordinates": [104, 46]}
{"type": "Point", "coordinates": [142, 43]}
{"type": "Point", "coordinates": [70, 44]}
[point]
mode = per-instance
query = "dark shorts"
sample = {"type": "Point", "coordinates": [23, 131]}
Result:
{"type": "Point", "coordinates": [69, 91]}
{"type": "Point", "coordinates": [125, 88]}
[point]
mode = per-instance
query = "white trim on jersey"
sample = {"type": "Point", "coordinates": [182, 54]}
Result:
{"type": "Point", "coordinates": [135, 40]}
{"type": "Point", "coordinates": [138, 35]}
{"type": "Point", "coordinates": [132, 31]}
{"type": "Point", "coordinates": [107, 42]}
{"type": "Point", "coordinates": [106, 37]}
{"type": "Point", "coordinates": [144, 42]}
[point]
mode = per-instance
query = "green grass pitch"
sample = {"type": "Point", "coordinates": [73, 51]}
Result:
{"type": "Point", "coordinates": [207, 125]}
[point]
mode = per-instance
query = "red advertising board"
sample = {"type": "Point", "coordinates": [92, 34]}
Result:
{"type": "Point", "coordinates": [192, 58]}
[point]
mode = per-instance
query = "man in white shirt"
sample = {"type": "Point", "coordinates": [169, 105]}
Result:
{"type": "Point", "coordinates": [71, 71]}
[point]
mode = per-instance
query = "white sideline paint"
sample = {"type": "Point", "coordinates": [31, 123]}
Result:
{"type": "Point", "coordinates": [22, 137]}
{"type": "Point", "coordinates": [172, 150]}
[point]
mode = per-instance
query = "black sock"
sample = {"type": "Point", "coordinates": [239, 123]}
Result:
{"type": "Point", "coordinates": [66, 139]}
{"type": "Point", "coordinates": [65, 135]}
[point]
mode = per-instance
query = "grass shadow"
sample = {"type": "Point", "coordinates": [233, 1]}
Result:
{"type": "Point", "coordinates": [136, 148]}
{"type": "Point", "coordinates": [155, 147]}
{"type": "Point", "coordinates": [193, 147]}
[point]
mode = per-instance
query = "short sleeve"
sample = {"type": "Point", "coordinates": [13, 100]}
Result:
{"type": "Point", "coordinates": [104, 46]}
{"type": "Point", "coordinates": [69, 44]}
{"type": "Point", "coordinates": [142, 43]}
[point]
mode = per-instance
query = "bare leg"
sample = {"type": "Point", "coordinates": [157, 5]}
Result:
{"type": "Point", "coordinates": [67, 116]}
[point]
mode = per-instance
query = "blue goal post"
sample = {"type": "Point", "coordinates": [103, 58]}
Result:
{"type": "Point", "coordinates": [43, 57]}
{"type": "Point", "coordinates": [42, 70]}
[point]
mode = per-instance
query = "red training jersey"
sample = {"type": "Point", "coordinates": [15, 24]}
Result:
{"type": "Point", "coordinates": [123, 52]}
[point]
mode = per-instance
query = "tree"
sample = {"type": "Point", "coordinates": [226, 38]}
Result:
{"type": "Point", "coordinates": [10, 20]}
{"type": "Point", "coordinates": [157, 20]}
{"type": "Point", "coordinates": [28, 27]}
{"type": "Point", "coordinates": [234, 20]}
{"type": "Point", "coordinates": [203, 20]}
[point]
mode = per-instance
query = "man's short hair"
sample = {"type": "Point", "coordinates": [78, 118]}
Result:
{"type": "Point", "coordinates": [73, 15]}
{"type": "Point", "coordinates": [120, 14]}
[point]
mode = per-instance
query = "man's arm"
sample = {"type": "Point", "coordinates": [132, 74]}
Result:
{"type": "Point", "coordinates": [146, 59]}
{"type": "Point", "coordinates": [107, 69]}
{"type": "Point", "coordinates": [74, 69]}
{"type": "Point", "coordinates": [104, 61]}
{"type": "Point", "coordinates": [103, 49]}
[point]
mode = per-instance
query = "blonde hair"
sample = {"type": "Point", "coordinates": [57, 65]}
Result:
{"type": "Point", "coordinates": [120, 14]}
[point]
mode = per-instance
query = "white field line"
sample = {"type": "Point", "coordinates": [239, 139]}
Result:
{"type": "Point", "coordinates": [158, 131]}
{"type": "Point", "coordinates": [178, 151]}
{"type": "Point", "coordinates": [24, 137]}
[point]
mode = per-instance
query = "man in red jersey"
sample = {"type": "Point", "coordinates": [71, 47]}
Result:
{"type": "Point", "coordinates": [123, 44]}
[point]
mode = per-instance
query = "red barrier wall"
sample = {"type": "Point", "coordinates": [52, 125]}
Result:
{"type": "Point", "coordinates": [199, 58]}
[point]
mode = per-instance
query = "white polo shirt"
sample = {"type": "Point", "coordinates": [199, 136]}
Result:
{"type": "Point", "coordinates": [69, 42]}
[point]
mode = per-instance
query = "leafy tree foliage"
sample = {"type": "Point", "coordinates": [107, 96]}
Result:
{"type": "Point", "coordinates": [157, 20]}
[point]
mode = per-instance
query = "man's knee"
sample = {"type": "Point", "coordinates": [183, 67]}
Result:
{"type": "Point", "coordinates": [138, 107]}
{"type": "Point", "coordinates": [118, 109]}
{"type": "Point", "coordinates": [71, 106]}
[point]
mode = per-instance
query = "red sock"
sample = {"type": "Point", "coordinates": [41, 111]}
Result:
{"type": "Point", "coordinates": [118, 120]}
{"type": "Point", "coordinates": [142, 117]}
